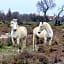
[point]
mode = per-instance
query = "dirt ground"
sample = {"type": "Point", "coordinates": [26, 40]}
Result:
{"type": "Point", "coordinates": [45, 55]}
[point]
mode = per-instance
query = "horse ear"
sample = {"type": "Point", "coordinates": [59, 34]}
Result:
{"type": "Point", "coordinates": [15, 20]}
{"type": "Point", "coordinates": [40, 23]}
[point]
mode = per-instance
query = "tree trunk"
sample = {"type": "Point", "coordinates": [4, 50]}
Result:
{"type": "Point", "coordinates": [45, 16]}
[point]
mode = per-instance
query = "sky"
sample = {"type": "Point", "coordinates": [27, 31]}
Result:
{"type": "Point", "coordinates": [27, 6]}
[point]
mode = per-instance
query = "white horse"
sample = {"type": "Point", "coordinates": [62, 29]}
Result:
{"type": "Point", "coordinates": [18, 32]}
{"type": "Point", "coordinates": [42, 31]}
{"type": "Point", "coordinates": [49, 30]}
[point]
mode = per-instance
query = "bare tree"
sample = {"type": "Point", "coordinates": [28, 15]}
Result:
{"type": "Point", "coordinates": [58, 19]}
{"type": "Point", "coordinates": [45, 5]}
{"type": "Point", "coordinates": [61, 10]}
{"type": "Point", "coordinates": [9, 15]}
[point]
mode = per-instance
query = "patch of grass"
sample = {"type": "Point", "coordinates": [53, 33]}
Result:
{"type": "Point", "coordinates": [8, 51]}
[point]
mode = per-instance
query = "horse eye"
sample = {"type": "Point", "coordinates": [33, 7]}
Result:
{"type": "Point", "coordinates": [11, 23]}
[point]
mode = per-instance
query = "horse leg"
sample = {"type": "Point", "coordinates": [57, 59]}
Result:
{"type": "Point", "coordinates": [23, 43]}
{"type": "Point", "coordinates": [36, 47]}
{"type": "Point", "coordinates": [50, 41]}
{"type": "Point", "coordinates": [37, 41]}
{"type": "Point", "coordinates": [45, 40]}
{"type": "Point", "coordinates": [18, 45]}
{"type": "Point", "coordinates": [13, 41]}
{"type": "Point", "coordinates": [34, 42]}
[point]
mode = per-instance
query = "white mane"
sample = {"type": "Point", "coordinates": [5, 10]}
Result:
{"type": "Point", "coordinates": [48, 29]}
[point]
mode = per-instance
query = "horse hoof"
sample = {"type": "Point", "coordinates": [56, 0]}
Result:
{"type": "Point", "coordinates": [13, 45]}
{"type": "Point", "coordinates": [33, 50]}
{"type": "Point", "coordinates": [19, 51]}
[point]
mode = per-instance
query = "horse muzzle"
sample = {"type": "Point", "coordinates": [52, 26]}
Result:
{"type": "Point", "coordinates": [39, 32]}
{"type": "Point", "coordinates": [14, 30]}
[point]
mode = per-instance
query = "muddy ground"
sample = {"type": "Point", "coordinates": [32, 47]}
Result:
{"type": "Point", "coordinates": [45, 55]}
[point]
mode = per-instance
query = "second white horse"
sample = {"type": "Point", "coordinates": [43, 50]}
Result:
{"type": "Point", "coordinates": [42, 31]}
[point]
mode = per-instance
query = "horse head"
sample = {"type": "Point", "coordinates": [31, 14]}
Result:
{"type": "Point", "coordinates": [14, 24]}
{"type": "Point", "coordinates": [40, 27]}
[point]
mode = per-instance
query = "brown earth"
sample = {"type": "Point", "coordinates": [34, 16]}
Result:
{"type": "Point", "coordinates": [45, 54]}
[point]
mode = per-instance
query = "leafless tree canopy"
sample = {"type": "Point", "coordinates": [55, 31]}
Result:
{"type": "Point", "coordinates": [57, 19]}
{"type": "Point", "coordinates": [45, 5]}
{"type": "Point", "coordinates": [61, 10]}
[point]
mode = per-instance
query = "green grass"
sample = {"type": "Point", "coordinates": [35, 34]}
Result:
{"type": "Point", "coordinates": [8, 51]}
{"type": "Point", "coordinates": [7, 54]}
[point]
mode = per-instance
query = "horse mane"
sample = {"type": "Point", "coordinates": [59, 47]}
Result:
{"type": "Point", "coordinates": [48, 28]}
{"type": "Point", "coordinates": [47, 25]}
